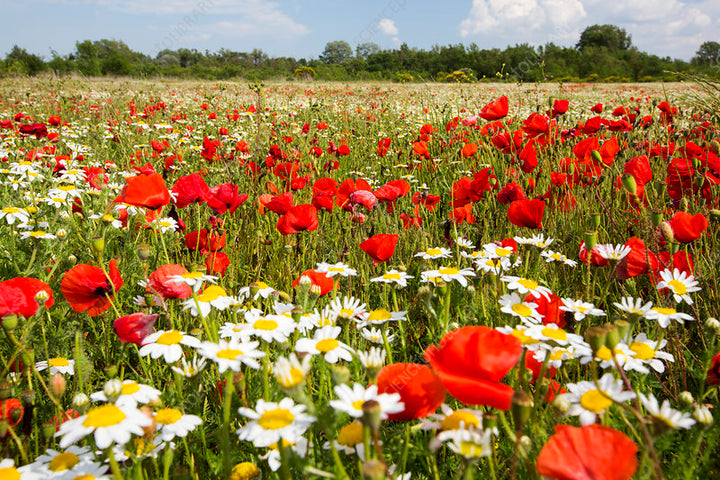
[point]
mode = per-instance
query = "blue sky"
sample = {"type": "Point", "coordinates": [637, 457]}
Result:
{"type": "Point", "coordinates": [301, 29]}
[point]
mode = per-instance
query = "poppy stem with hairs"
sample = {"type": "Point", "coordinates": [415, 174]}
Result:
{"type": "Point", "coordinates": [225, 439]}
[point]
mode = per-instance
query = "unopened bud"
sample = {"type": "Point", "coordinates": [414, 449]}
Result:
{"type": "Point", "coordinates": [522, 405]}
{"type": "Point", "coordinates": [10, 322]}
{"type": "Point", "coordinates": [667, 232]}
{"type": "Point", "coordinates": [686, 399]}
{"type": "Point", "coordinates": [239, 382]}
{"type": "Point", "coordinates": [41, 297]}
{"type": "Point", "coordinates": [715, 145]}
{"type": "Point", "coordinates": [656, 218]}
{"type": "Point", "coordinates": [713, 325]}
{"type": "Point", "coordinates": [98, 245]}
{"type": "Point", "coordinates": [16, 415]}
{"type": "Point", "coordinates": [48, 430]}
{"type": "Point", "coordinates": [613, 336]}
{"type": "Point", "coordinates": [61, 233]}
{"type": "Point", "coordinates": [4, 427]}
{"type": "Point", "coordinates": [143, 252]}
{"type": "Point", "coordinates": [595, 220]}
{"type": "Point", "coordinates": [525, 445]}
{"type": "Point", "coordinates": [623, 328]}
{"type": "Point", "coordinates": [57, 385]}
{"type": "Point", "coordinates": [596, 156]}
{"type": "Point", "coordinates": [296, 314]}
{"type": "Point", "coordinates": [371, 415]}
{"type": "Point", "coordinates": [110, 371]}
{"type": "Point", "coordinates": [80, 402]}
{"type": "Point", "coordinates": [112, 389]}
{"type": "Point", "coordinates": [72, 259]}
{"type": "Point", "coordinates": [340, 374]}
{"type": "Point", "coordinates": [703, 416]}
{"type": "Point", "coordinates": [27, 397]}
{"type": "Point", "coordinates": [5, 390]}
{"type": "Point", "coordinates": [629, 183]}
{"type": "Point", "coordinates": [715, 214]}
{"type": "Point", "coordinates": [561, 403]}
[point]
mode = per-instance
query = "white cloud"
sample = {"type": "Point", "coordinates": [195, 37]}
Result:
{"type": "Point", "coordinates": [388, 27]}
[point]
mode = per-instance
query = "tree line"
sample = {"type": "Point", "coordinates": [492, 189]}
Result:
{"type": "Point", "coordinates": [603, 53]}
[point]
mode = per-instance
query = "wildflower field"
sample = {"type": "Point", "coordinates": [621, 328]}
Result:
{"type": "Point", "coordinates": [358, 281]}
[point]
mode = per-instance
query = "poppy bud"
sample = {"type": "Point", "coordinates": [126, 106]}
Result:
{"type": "Point", "coordinates": [715, 147]}
{"type": "Point", "coordinates": [667, 232]}
{"type": "Point", "coordinates": [656, 218]}
{"type": "Point", "coordinates": [629, 183]}
{"type": "Point", "coordinates": [715, 214]}
{"type": "Point", "coordinates": [590, 240]}
{"type": "Point", "coordinates": [522, 405]}
{"type": "Point", "coordinates": [5, 391]}
{"type": "Point", "coordinates": [48, 430]}
{"type": "Point", "coordinates": [371, 415]}
{"type": "Point", "coordinates": [623, 327]}
{"type": "Point", "coordinates": [596, 156]}
{"type": "Point", "coordinates": [613, 336]}
{"type": "Point", "coordinates": [57, 385]}
{"type": "Point", "coordinates": [489, 421]}
{"type": "Point", "coordinates": [98, 245]}
{"type": "Point", "coordinates": [596, 337]}
{"type": "Point", "coordinates": [143, 251]}
{"type": "Point", "coordinates": [28, 397]}
{"type": "Point", "coordinates": [10, 322]}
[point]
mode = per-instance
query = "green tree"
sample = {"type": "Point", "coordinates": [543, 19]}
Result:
{"type": "Point", "coordinates": [336, 52]}
{"type": "Point", "coordinates": [28, 63]}
{"type": "Point", "coordinates": [707, 54]}
{"type": "Point", "coordinates": [364, 50]}
{"type": "Point", "coordinates": [86, 58]}
{"type": "Point", "coordinates": [609, 36]}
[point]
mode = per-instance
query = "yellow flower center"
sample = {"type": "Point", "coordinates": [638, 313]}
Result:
{"type": "Point", "coordinates": [595, 401]}
{"type": "Point", "coordinates": [130, 388]}
{"type": "Point", "coordinates": [665, 311]}
{"type": "Point", "coordinates": [11, 210]}
{"type": "Point", "coordinates": [336, 269]}
{"type": "Point", "coordinates": [581, 309]}
{"type": "Point", "coordinates": [556, 256]}
{"type": "Point", "coordinates": [38, 233]}
{"type": "Point", "coordinates": [62, 461]}
{"type": "Point", "coordinates": [168, 416]}
{"type": "Point", "coordinates": [453, 421]}
{"type": "Point", "coordinates": [351, 434]}
{"type": "Point", "coordinates": [357, 404]}
{"type": "Point", "coordinates": [275, 419]}
{"type": "Point", "coordinates": [171, 337]}
{"type": "Point", "coordinates": [448, 271]}
{"type": "Point", "coordinates": [643, 351]}
{"type": "Point", "coordinates": [524, 339]}
{"type": "Point", "coordinates": [213, 292]}
{"type": "Point", "coordinates": [678, 287]}
{"type": "Point", "coordinates": [503, 252]}
{"type": "Point", "coordinates": [245, 471]}
{"type": "Point", "coordinates": [529, 284]}
{"type": "Point", "coordinates": [104, 416]}
{"type": "Point", "coordinates": [9, 473]}
{"type": "Point", "coordinates": [327, 345]}
{"type": "Point", "coordinates": [58, 362]}
{"type": "Point", "coordinates": [556, 334]}
{"type": "Point", "coordinates": [229, 353]}
{"type": "Point", "coordinates": [346, 313]}
{"type": "Point", "coordinates": [141, 448]}
{"type": "Point", "coordinates": [261, 285]}
{"type": "Point", "coordinates": [293, 378]}
{"type": "Point", "coordinates": [379, 315]}
{"type": "Point", "coordinates": [604, 353]}
{"type": "Point", "coordinates": [522, 310]}
{"type": "Point", "coordinates": [558, 354]}
{"type": "Point", "coordinates": [391, 276]}
{"type": "Point", "coordinates": [471, 449]}
{"type": "Point", "coordinates": [87, 476]}
{"type": "Point", "coordinates": [433, 251]}
{"type": "Point", "coordinates": [265, 324]}
{"type": "Point", "coordinates": [192, 275]}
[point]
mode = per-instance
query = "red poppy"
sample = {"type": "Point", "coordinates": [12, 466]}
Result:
{"type": "Point", "coordinates": [713, 373]}
{"type": "Point", "coordinates": [526, 213]}
{"type": "Point", "coordinates": [216, 263]}
{"type": "Point", "coordinates": [86, 288]}
{"type": "Point", "coordinates": [346, 188]}
{"type": "Point", "coordinates": [469, 150]}
{"type": "Point", "coordinates": [280, 204]}
{"type": "Point", "coordinates": [225, 197]}
{"type": "Point", "coordinates": [528, 157]}
{"type": "Point", "coordinates": [510, 193]}
{"type": "Point", "coordinates": [471, 361]}
{"type": "Point", "coordinates": [299, 218]}
{"type": "Point", "coordinates": [380, 247]}
{"type": "Point", "coordinates": [11, 410]}
{"type": "Point", "coordinates": [688, 228]}
{"type": "Point", "coordinates": [55, 120]}
{"type": "Point", "coordinates": [640, 260]}
{"type": "Point", "coordinates": [204, 241]}
{"type": "Point", "coordinates": [17, 296]}
{"type": "Point", "coordinates": [420, 389]}
{"type": "Point", "coordinates": [596, 260]}
{"type": "Point", "coordinates": [362, 197]}
{"type": "Point", "coordinates": [421, 149]}
{"type": "Point", "coordinates": [37, 129]}
{"type": "Point", "coordinates": [462, 214]}
{"type": "Point", "coordinates": [135, 327]}
{"type": "Point", "coordinates": [190, 189]}
{"type": "Point", "coordinates": [161, 283]}
{"type": "Point", "coordinates": [319, 279]}
{"type": "Point", "coordinates": [548, 308]}
{"type": "Point", "coordinates": [597, 108]}
{"type": "Point", "coordinates": [559, 107]}
{"type": "Point", "coordinates": [588, 453]}
{"type": "Point", "coordinates": [430, 201]}
{"type": "Point", "coordinates": [143, 190]}
{"type": "Point", "coordinates": [495, 110]}
{"type": "Point", "coordinates": [414, 221]}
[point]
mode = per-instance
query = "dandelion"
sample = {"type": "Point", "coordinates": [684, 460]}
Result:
{"type": "Point", "coordinates": [166, 344]}
{"type": "Point", "coordinates": [351, 400]}
{"type": "Point", "coordinates": [231, 355]}
{"type": "Point", "coordinates": [680, 284]}
{"type": "Point", "coordinates": [108, 423]}
{"type": "Point", "coordinates": [272, 422]}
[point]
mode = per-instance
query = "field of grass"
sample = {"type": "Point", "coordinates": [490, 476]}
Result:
{"type": "Point", "coordinates": [221, 280]}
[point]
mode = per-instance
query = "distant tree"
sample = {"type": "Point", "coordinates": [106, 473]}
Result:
{"type": "Point", "coordinates": [86, 58]}
{"type": "Point", "coordinates": [336, 52]}
{"type": "Point", "coordinates": [707, 54]}
{"type": "Point", "coordinates": [608, 36]}
{"type": "Point", "coordinates": [364, 50]}
{"type": "Point", "coordinates": [258, 57]}
{"type": "Point", "coordinates": [59, 64]}
{"type": "Point", "coordinates": [167, 58]}
{"type": "Point", "coordinates": [28, 63]}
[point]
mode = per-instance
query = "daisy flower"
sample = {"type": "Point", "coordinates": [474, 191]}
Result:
{"type": "Point", "coordinates": [263, 290]}
{"type": "Point", "coordinates": [290, 372]}
{"type": "Point", "coordinates": [393, 276]}
{"type": "Point", "coordinates": [87, 471]}
{"type": "Point", "coordinates": [448, 274]}
{"type": "Point", "coordinates": [270, 328]}
{"type": "Point", "coordinates": [236, 331]}
{"type": "Point", "coordinates": [271, 422]}
{"type": "Point", "coordinates": [650, 352]}
{"type": "Point", "coordinates": [552, 335]}
{"type": "Point", "coordinates": [172, 423]}
{"type": "Point", "coordinates": [232, 354]}
{"type": "Point", "coordinates": [212, 297]}
{"type": "Point", "coordinates": [332, 269]}
{"type": "Point", "coordinates": [107, 219]}
{"type": "Point", "coordinates": [351, 400]}
{"type": "Point", "coordinates": [373, 358]}
{"type": "Point", "coordinates": [166, 344]}
{"type": "Point", "coordinates": [589, 400]}
{"type": "Point", "coordinates": [350, 440]}
{"type": "Point", "coordinates": [190, 368]}
{"type": "Point", "coordinates": [525, 286]}
{"type": "Point", "coordinates": [8, 470]}
{"type": "Point", "coordinates": [380, 316]}
{"type": "Point", "coordinates": [434, 252]}
{"type": "Point", "coordinates": [54, 463]}
{"type": "Point", "coordinates": [512, 304]}
{"type": "Point", "coordinates": [132, 394]}
{"type": "Point", "coordinates": [493, 250]}
{"type": "Point", "coordinates": [471, 444]}
{"type": "Point", "coordinates": [551, 256]}
{"type": "Point", "coordinates": [12, 214]}
{"type": "Point", "coordinates": [622, 354]}
{"type": "Point", "coordinates": [141, 448]}
{"type": "Point", "coordinates": [633, 306]}
{"type": "Point", "coordinates": [451, 419]}
{"type": "Point", "coordinates": [347, 307]}
{"type": "Point", "coordinates": [374, 335]}
{"type": "Point", "coordinates": [57, 365]}
{"type": "Point", "coordinates": [519, 333]}
{"type": "Point", "coordinates": [464, 243]}
{"type": "Point", "coordinates": [493, 266]}
{"type": "Point", "coordinates": [680, 284]}
{"type": "Point", "coordinates": [559, 355]}
{"type": "Point", "coordinates": [165, 224]}
{"type": "Point", "coordinates": [324, 342]}
{"type": "Point", "coordinates": [474, 254]}
{"type": "Point", "coordinates": [665, 315]}
{"type": "Point", "coordinates": [580, 309]}
{"type": "Point", "coordinates": [665, 417]}
{"type": "Point", "coordinates": [193, 279]}
{"type": "Point", "coordinates": [538, 241]}
{"type": "Point", "coordinates": [272, 457]}
{"type": "Point", "coordinates": [108, 423]}
{"type": "Point", "coordinates": [318, 319]}
{"type": "Point", "coordinates": [37, 234]}
{"type": "Point", "coordinates": [613, 252]}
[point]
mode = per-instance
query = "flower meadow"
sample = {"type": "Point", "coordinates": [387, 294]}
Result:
{"type": "Point", "coordinates": [357, 281]}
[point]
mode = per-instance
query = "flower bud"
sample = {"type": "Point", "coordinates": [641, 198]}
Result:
{"type": "Point", "coordinates": [686, 399]}
{"type": "Point", "coordinates": [41, 297]}
{"type": "Point", "coordinates": [61, 233]}
{"type": "Point", "coordinates": [48, 430]}
{"type": "Point", "coordinates": [595, 220]}
{"type": "Point", "coordinates": [714, 214]}
{"type": "Point", "coordinates": [148, 430]}
{"type": "Point", "coordinates": [561, 404]}
{"type": "Point", "coordinates": [80, 402]}
{"type": "Point", "coordinates": [10, 322]}
{"type": "Point", "coordinates": [5, 390]}
{"type": "Point", "coordinates": [110, 371]}
{"type": "Point", "coordinates": [525, 445]}
{"type": "Point", "coordinates": [371, 415]}
{"type": "Point", "coordinates": [613, 336]}
{"type": "Point", "coordinates": [596, 156]}
{"type": "Point", "coordinates": [143, 252]}
{"type": "Point", "coordinates": [713, 325]}
{"type": "Point", "coordinates": [522, 405]}
{"type": "Point", "coordinates": [72, 259]}
{"type": "Point", "coordinates": [57, 385]}
{"type": "Point", "coordinates": [656, 218]}
{"type": "Point", "coordinates": [112, 389]}
{"type": "Point", "coordinates": [623, 328]}
{"type": "Point", "coordinates": [340, 374]}
{"type": "Point", "coordinates": [98, 245]}
{"type": "Point", "coordinates": [629, 183]}
{"type": "Point", "coordinates": [28, 397]}
{"type": "Point", "coordinates": [703, 416]}
{"type": "Point", "coordinates": [667, 232]}
{"type": "Point", "coordinates": [4, 427]}
{"type": "Point", "coordinates": [239, 382]}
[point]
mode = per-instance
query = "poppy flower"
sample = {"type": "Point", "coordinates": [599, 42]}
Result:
{"type": "Point", "coordinates": [216, 263]}
{"type": "Point", "coordinates": [86, 288]}
{"type": "Point", "coordinates": [713, 373]}
{"type": "Point", "coordinates": [526, 213]}
{"type": "Point", "coordinates": [462, 214]}
{"type": "Point", "coordinates": [380, 247]}
{"type": "Point", "coordinates": [299, 218]}
{"type": "Point", "coordinates": [17, 296]}
{"type": "Point", "coordinates": [471, 361]}
{"type": "Point", "coordinates": [548, 308]}
{"type": "Point", "coordinates": [346, 188]}
{"type": "Point", "coordinates": [588, 453]}
{"type": "Point", "coordinates": [160, 282]}
{"type": "Point", "coordinates": [495, 110]}
{"type": "Point", "coordinates": [420, 389]}
{"type": "Point", "coordinates": [639, 261]}
{"type": "Point", "coordinates": [597, 108]}
{"type": "Point", "coordinates": [469, 149]}
{"type": "Point", "coordinates": [11, 410]}
{"type": "Point", "coordinates": [190, 189]}
{"type": "Point", "coordinates": [143, 190]}
{"type": "Point", "coordinates": [37, 129]}
{"type": "Point", "coordinates": [559, 107]}
{"type": "Point", "coordinates": [205, 241]}
{"type": "Point", "coordinates": [362, 197]}
{"type": "Point", "coordinates": [318, 279]}
{"type": "Point", "coordinates": [430, 201]}
{"type": "Point", "coordinates": [135, 327]}
{"type": "Point", "coordinates": [410, 222]}
{"type": "Point", "coordinates": [280, 204]}
{"type": "Point", "coordinates": [225, 197]}
{"type": "Point", "coordinates": [510, 193]}
{"type": "Point", "coordinates": [688, 228]}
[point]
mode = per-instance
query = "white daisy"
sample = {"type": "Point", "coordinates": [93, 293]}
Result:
{"type": "Point", "coordinates": [57, 365]}
{"type": "Point", "coordinates": [172, 423]}
{"type": "Point", "coordinates": [633, 306]}
{"type": "Point", "coordinates": [525, 285]}
{"type": "Point", "coordinates": [588, 400]}
{"type": "Point", "coordinates": [232, 354]}
{"type": "Point", "coordinates": [613, 252]}
{"type": "Point", "coordinates": [332, 269]}
{"type": "Point", "coordinates": [380, 316]}
{"type": "Point", "coordinates": [272, 422]}
{"type": "Point", "coordinates": [166, 344]}
{"type": "Point", "coordinates": [650, 352]}
{"type": "Point", "coordinates": [447, 274]}
{"type": "Point", "coordinates": [551, 256]}
{"type": "Point", "coordinates": [270, 328]}
{"type": "Point", "coordinates": [37, 234]}
{"type": "Point", "coordinates": [351, 400]}
{"type": "Point", "coordinates": [12, 214]}
{"type": "Point", "coordinates": [213, 296]}
{"type": "Point", "coordinates": [471, 444]}
{"type": "Point", "coordinates": [272, 457]}
{"type": "Point", "coordinates": [512, 304]}
{"type": "Point", "coordinates": [165, 224]}
{"type": "Point", "coordinates": [374, 335]}
{"type": "Point", "coordinates": [680, 284]}
{"type": "Point", "coordinates": [451, 419]}
{"type": "Point", "coordinates": [324, 342]}
{"type": "Point", "coordinates": [347, 308]}
{"type": "Point", "coordinates": [393, 276]}
{"type": "Point", "coordinates": [435, 252]}
{"type": "Point", "coordinates": [493, 266]}
{"type": "Point", "coordinates": [290, 372]}
{"type": "Point", "coordinates": [54, 463]}
{"type": "Point", "coordinates": [580, 309]}
{"type": "Point", "coordinates": [236, 331]}
{"type": "Point", "coordinates": [665, 417]}
{"type": "Point", "coordinates": [665, 315]}
{"type": "Point", "coordinates": [108, 423]}
{"type": "Point", "coordinates": [262, 290]}
{"type": "Point", "coordinates": [190, 368]}
{"type": "Point", "coordinates": [194, 279]}
{"type": "Point", "coordinates": [132, 394]}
